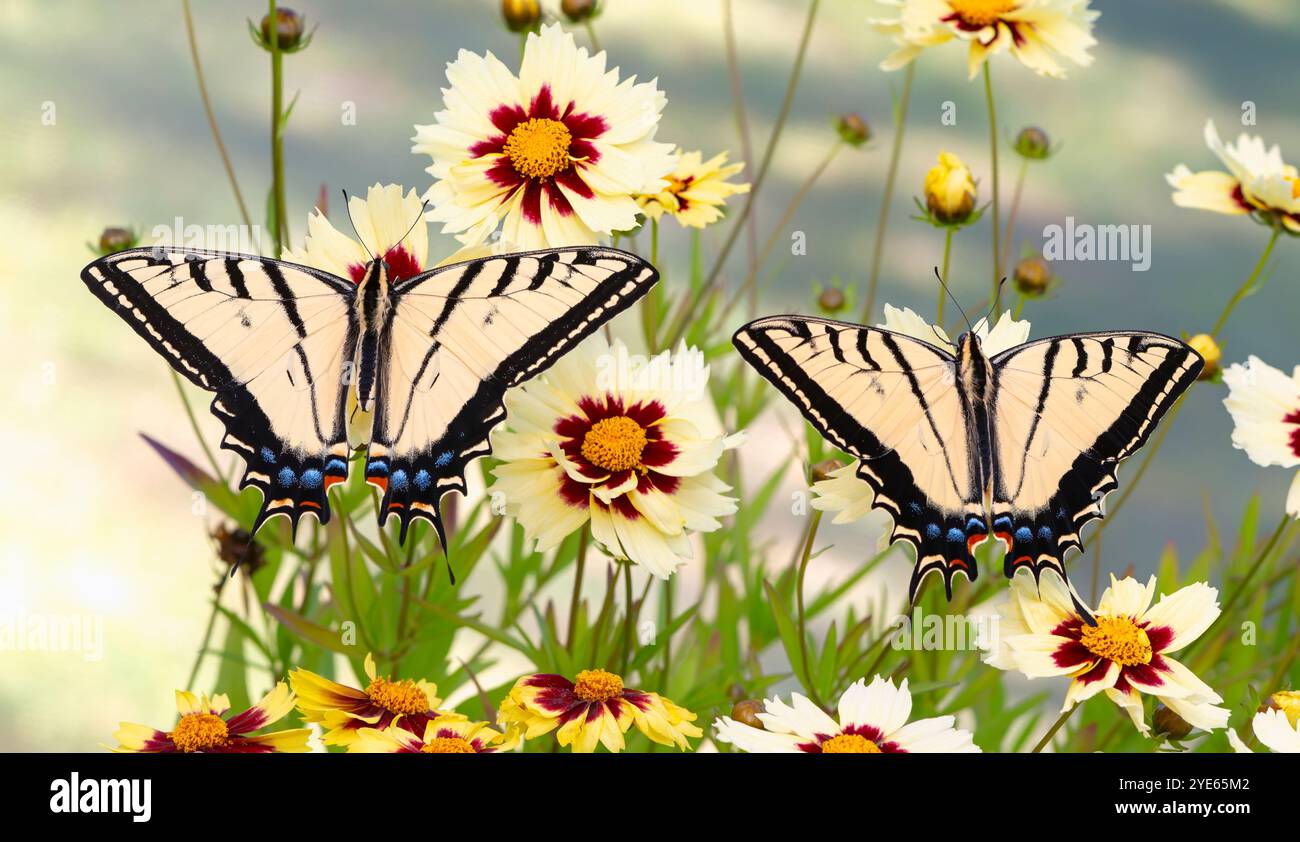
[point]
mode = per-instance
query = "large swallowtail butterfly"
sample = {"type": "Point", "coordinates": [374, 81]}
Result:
{"type": "Point", "coordinates": [1023, 445]}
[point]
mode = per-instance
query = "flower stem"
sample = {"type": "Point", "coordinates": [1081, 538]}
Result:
{"type": "Point", "coordinates": [742, 124]}
{"type": "Point", "coordinates": [194, 425]}
{"type": "Point", "coordinates": [1245, 288]}
{"type": "Point", "coordinates": [895, 153]}
{"type": "Point", "coordinates": [1010, 228]}
{"type": "Point", "coordinates": [995, 296]}
{"type": "Point", "coordinates": [1056, 726]}
{"type": "Point", "coordinates": [669, 587]}
{"type": "Point", "coordinates": [943, 273]}
{"type": "Point", "coordinates": [591, 33]}
{"type": "Point", "coordinates": [207, 633]}
{"type": "Point", "coordinates": [579, 569]}
{"type": "Point", "coordinates": [690, 303]}
{"type": "Point", "coordinates": [212, 117]}
{"type": "Point", "coordinates": [277, 141]}
{"type": "Point", "coordinates": [809, 537]}
{"type": "Point", "coordinates": [629, 626]}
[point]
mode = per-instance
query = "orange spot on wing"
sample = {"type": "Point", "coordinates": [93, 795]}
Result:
{"type": "Point", "coordinates": [957, 562]}
{"type": "Point", "coordinates": [331, 481]}
{"type": "Point", "coordinates": [1024, 559]}
{"type": "Point", "coordinates": [974, 541]}
{"type": "Point", "coordinates": [310, 504]}
{"type": "Point", "coordinates": [379, 482]}
{"type": "Point", "coordinates": [1005, 537]}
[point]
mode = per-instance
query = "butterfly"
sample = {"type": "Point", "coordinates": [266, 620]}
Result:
{"type": "Point", "coordinates": [1022, 445]}
{"type": "Point", "coordinates": [431, 355]}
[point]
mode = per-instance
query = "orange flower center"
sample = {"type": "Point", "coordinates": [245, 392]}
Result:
{"type": "Point", "coordinates": [982, 12]}
{"type": "Point", "coordinates": [614, 444]}
{"type": "Point", "coordinates": [200, 731]}
{"type": "Point", "coordinates": [539, 148]}
{"type": "Point", "coordinates": [404, 697]}
{"type": "Point", "coordinates": [597, 686]}
{"type": "Point", "coordinates": [850, 744]}
{"type": "Point", "coordinates": [448, 745]}
{"type": "Point", "coordinates": [1295, 187]}
{"type": "Point", "coordinates": [1117, 639]}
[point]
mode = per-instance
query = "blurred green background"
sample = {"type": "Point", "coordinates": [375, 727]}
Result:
{"type": "Point", "coordinates": [96, 528]}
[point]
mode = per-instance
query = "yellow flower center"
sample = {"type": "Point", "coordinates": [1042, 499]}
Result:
{"type": "Point", "coordinates": [199, 731]}
{"type": "Point", "coordinates": [539, 148]}
{"type": "Point", "coordinates": [1117, 639]}
{"type": "Point", "coordinates": [614, 444]}
{"type": "Point", "coordinates": [398, 696]}
{"type": "Point", "coordinates": [850, 744]}
{"type": "Point", "coordinates": [448, 745]}
{"type": "Point", "coordinates": [597, 686]}
{"type": "Point", "coordinates": [982, 12]}
{"type": "Point", "coordinates": [1287, 701]}
{"type": "Point", "coordinates": [1295, 187]}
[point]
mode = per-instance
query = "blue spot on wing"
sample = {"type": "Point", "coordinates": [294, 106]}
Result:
{"type": "Point", "coordinates": [955, 535]}
{"type": "Point", "coordinates": [268, 455]}
{"type": "Point", "coordinates": [1045, 533]}
{"type": "Point", "coordinates": [377, 467]}
{"type": "Point", "coordinates": [336, 465]}
{"type": "Point", "coordinates": [915, 508]}
{"type": "Point", "coordinates": [444, 459]}
{"type": "Point", "coordinates": [311, 478]}
{"type": "Point", "coordinates": [932, 531]}
{"type": "Point", "coordinates": [1024, 535]}
{"type": "Point", "coordinates": [422, 479]}
{"type": "Point", "coordinates": [286, 477]}
{"type": "Point", "coordinates": [397, 482]}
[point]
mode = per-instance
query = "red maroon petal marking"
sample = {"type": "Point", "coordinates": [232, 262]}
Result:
{"type": "Point", "coordinates": [571, 180]}
{"type": "Point", "coordinates": [401, 263]}
{"type": "Point", "coordinates": [1097, 673]}
{"type": "Point", "coordinates": [1072, 654]}
{"type": "Point", "coordinates": [1160, 637]}
{"type": "Point", "coordinates": [559, 202]}
{"type": "Point", "coordinates": [624, 507]}
{"type": "Point", "coordinates": [543, 105]}
{"type": "Point", "coordinates": [575, 493]}
{"type": "Point", "coordinates": [658, 453]}
{"type": "Point", "coordinates": [506, 118]}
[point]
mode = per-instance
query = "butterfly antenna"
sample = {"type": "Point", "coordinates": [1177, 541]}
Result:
{"type": "Point", "coordinates": [423, 207]}
{"type": "Point", "coordinates": [996, 300]}
{"type": "Point", "coordinates": [939, 278]}
{"type": "Point", "coordinates": [348, 207]}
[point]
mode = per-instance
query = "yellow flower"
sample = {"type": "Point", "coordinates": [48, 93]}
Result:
{"type": "Point", "coordinates": [950, 190]}
{"type": "Point", "coordinates": [204, 727]}
{"type": "Point", "coordinates": [1032, 30]}
{"type": "Point", "coordinates": [696, 190]}
{"type": "Point", "coordinates": [1257, 181]}
{"type": "Point", "coordinates": [1205, 345]}
{"type": "Point", "coordinates": [385, 221]}
{"type": "Point", "coordinates": [343, 711]}
{"type": "Point", "coordinates": [444, 735]}
{"type": "Point", "coordinates": [596, 708]}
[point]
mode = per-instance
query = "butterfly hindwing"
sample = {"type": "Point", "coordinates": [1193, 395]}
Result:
{"type": "Point", "coordinates": [460, 336]}
{"type": "Point", "coordinates": [892, 402]}
{"type": "Point", "coordinates": [1067, 411]}
{"type": "Point", "coordinates": [269, 338]}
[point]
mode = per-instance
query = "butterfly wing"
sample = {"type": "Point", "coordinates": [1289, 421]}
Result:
{"type": "Point", "coordinates": [269, 338]}
{"type": "Point", "coordinates": [460, 336]}
{"type": "Point", "coordinates": [1067, 410]}
{"type": "Point", "coordinates": [892, 402]}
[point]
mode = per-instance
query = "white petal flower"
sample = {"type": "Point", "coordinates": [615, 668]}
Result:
{"type": "Point", "coordinates": [553, 157]}
{"type": "Point", "coordinates": [1257, 179]}
{"type": "Point", "coordinates": [388, 223]}
{"type": "Point", "coordinates": [1032, 30]}
{"type": "Point", "coordinates": [1265, 407]}
{"type": "Point", "coordinates": [629, 447]}
{"type": "Point", "coordinates": [872, 719]}
{"type": "Point", "coordinates": [1124, 653]}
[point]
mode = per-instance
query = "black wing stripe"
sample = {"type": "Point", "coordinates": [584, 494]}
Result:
{"type": "Point", "coordinates": [1049, 360]}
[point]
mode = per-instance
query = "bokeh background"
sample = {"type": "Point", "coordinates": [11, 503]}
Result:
{"type": "Point", "coordinates": [94, 525]}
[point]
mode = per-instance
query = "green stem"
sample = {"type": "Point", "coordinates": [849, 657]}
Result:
{"type": "Point", "coordinates": [580, 568]}
{"type": "Point", "coordinates": [207, 634]}
{"type": "Point", "coordinates": [895, 153]}
{"type": "Point", "coordinates": [1245, 288]}
{"type": "Point", "coordinates": [281, 221]}
{"type": "Point", "coordinates": [690, 303]}
{"type": "Point", "coordinates": [798, 590]}
{"type": "Point", "coordinates": [629, 627]}
{"type": "Point", "coordinates": [668, 634]}
{"type": "Point", "coordinates": [212, 117]}
{"type": "Point", "coordinates": [1010, 229]}
{"type": "Point", "coordinates": [1056, 726]}
{"type": "Point", "coordinates": [943, 273]}
{"type": "Point", "coordinates": [742, 126]}
{"type": "Point", "coordinates": [591, 33]}
{"type": "Point", "coordinates": [995, 296]}
{"type": "Point", "coordinates": [194, 425]}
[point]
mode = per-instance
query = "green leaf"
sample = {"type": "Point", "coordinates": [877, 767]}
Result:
{"type": "Point", "coordinates": [306, 629]}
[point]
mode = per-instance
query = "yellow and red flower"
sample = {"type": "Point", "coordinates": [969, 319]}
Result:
{"type": "Point", "coordinates": [1257, 182]}
{"type": "Point", "coordinates": [444, 735]}
{"type": "Point", "coordinates": [596, 708]}
{"type": "Point", "coordinates": [697, 190]}
{"type": "Point", "coordinates": [343, 711]}
{"type": "Point", "coordinates": [386, 220]}
{"type": "Point", "coordinates": [204, 727]}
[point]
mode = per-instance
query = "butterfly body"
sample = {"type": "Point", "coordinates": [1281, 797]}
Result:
{"type": "Point", "coordinates": [282, 345]}
{"type": "Point", "coordinates": [960, 446]}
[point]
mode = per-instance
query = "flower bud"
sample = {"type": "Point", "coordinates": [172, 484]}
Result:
{"type": "Point", "coordinates": [831, 300]}
{"type": "Point", "coordinates": [236, 546]}
{"type": "Point", "coordinates": [950, 190]}
{"type": "Point", "coordinates": [521, 15]}
{"type": "Point", "coordinates": [1204, 344]}
{"type": "Point", "coordinates": [852, 129]}
{"type": "Point", "coordinates": [822, 470]}
{"type": "Point", "coordinates": [1170, 724]}
{"type": "Point", "coordinates": [746, 713]}
{"type": "Point", "coordinates": [289, 26]}
{"type": "Point", "coordinates": [578, 11]}
{"type": "Point", "coordinates": [115, 238]}
{"type": "Point", "coordinates": [1033, 143]}
{"type": "Point", "coordinates": [1032, 276]}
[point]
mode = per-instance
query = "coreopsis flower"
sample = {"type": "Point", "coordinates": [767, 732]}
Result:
{"type": "Point", "coordinates": [554, 156]}
{"type": "Point", "coordinates": [871, 719]}
{"type": "Point", "coordinates": [1032, 143]}
{"type": "Point", "coordinates": [386, 220]}
{"type": "Point", "coordinates": [595, 708]}
{"type": "Point", "coordinates": [1123, 651]}
{"type": "Point", "coordinates": [843, 491]}
{"type": "Point", "coordinates": [443, 735]}
{"type": "Point", "coordinates": [1033, 277]}
{"type": "Point", "coordinates": [696, 191]}
{"type": "Point", "coordinates": [1276, 725]}
{"type": "Point", "coordinates": [950, 191]}
{"type": "Point", "coordinates": [1265, 407]}
{"type": "Point", "coordinates": [631, 451]}
{"type": "Point", "coordinates": [203, 726]}
{"type": "Point", "coordinates": [1257, 182]}
{"type": "Point", "coordinates": [1032, 30]}
{"type": "Point", "coordinates": [343, 711]}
